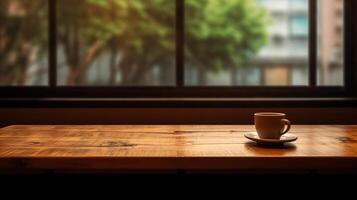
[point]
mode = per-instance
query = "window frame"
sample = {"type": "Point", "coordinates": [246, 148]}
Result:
{"type": "Point", "coordinates": [215, 92]}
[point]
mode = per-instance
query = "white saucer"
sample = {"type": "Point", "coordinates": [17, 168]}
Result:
{"type": "Point", "coordinates": [284, 139]}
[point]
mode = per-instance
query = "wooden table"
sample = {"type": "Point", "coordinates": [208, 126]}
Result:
{"type": "Point", "coordinates": [199, 147]}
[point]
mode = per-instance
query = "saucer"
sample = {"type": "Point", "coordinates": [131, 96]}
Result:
{"type": "Point", "coordinates": [284, 139]}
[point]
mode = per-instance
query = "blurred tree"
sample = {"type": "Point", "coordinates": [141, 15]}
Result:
{"type": "Point", "coordinates": [137, 34]}
{"type": "Point", "coordinates": [223, 34]}
{"type": "Point", "coordinates": [219, 34]}
{"type": "Point", "coordinates": [23, 38]}
{"type": "Point", "coordinates": [140, 32]}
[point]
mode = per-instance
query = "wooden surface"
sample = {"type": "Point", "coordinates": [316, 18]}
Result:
{"type": "Point", "coordinates": [172, 147]}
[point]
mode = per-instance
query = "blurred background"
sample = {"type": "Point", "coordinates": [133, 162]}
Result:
{"type": "Point", "coordinates": [132, 42]}
{"type": "Point", "coordinates": [23, 42]}
{"type": "Point", "coordinates": [282, 58]}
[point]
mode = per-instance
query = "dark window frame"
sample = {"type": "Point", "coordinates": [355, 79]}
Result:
{"type": "Point", "coordinates": [44, 93]}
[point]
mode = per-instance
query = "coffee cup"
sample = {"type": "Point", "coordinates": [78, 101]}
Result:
{"type": "Point", "coordinates": [271, 125]}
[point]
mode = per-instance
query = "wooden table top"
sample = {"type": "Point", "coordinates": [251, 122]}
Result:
{"type": "Point", "coordinates": [136, 147]}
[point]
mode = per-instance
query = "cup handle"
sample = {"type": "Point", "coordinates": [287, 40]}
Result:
{"type": "Point", "coordinates": [288, 124]}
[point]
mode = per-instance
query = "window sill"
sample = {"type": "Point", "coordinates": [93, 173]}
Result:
{"type": "Point", "coordinates": [176, 102]}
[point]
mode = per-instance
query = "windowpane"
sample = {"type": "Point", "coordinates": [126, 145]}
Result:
{"type": "Point", "coordinates": [234, 42]}
{"type": "Point", "coordinates": [331, 62]}
{"type": "Point", "coordinates": [299, 25]}
{"type": "Point", "coordinates": [116, 42]}
{"type": "Point", "coordinates": [23, 42]}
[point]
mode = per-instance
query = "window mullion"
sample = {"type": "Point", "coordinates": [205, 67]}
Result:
{"type": "Point", "coordinates": [53, 43]}
{"type": "Point", "coordinates": [349, 41]}
{"type": "Point", "coordinates": [313, 41]}
{"type": "Point", "coordinates": [180, 38]}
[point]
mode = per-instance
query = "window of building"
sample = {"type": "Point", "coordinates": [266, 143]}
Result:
{"type": "Point", "coordinates": [299, 26]}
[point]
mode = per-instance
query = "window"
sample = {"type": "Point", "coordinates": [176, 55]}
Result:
{"type": "Point", "coordinates": [331, 43]}
{"type": "Point", "coordinates": [298, 4]}
{"type": "Point", "coordinates": [299, 26]}
{"type": "Point", "coordinates": [111, 42]}
{"type": "Point", "coordinates": [23, 42]}
{"type": "Point", "coordinates": [176, 48]}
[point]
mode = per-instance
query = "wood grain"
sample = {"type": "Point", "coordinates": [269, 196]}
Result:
{"type": "Point", "coordinates": [146, 147]}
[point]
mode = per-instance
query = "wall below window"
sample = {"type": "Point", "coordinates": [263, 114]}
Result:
{"type": "Point", "coordinates": [170, 115]}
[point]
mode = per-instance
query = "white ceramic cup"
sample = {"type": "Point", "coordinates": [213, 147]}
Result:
{"type": "Point", "coordinates": [271, 125]}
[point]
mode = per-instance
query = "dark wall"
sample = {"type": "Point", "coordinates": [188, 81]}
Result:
{"type": "Point", "coordinates": [170, 115]}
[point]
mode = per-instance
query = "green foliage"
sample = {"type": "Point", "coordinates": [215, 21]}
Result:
{"type": "Point", "coordinates": [219, 33]}
{"type": "Point", "coordinates": [137, 27]}
{"type": "Point", "coordinates": [223, 33]}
